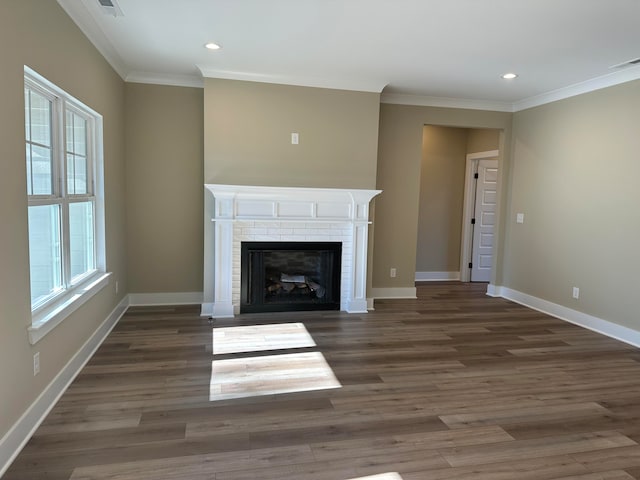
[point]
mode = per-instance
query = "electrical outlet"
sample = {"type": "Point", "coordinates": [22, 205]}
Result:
{"type": "Point", "coordinates": [392, 273]}
{"type": "Point", "coordinates": [576, 292]}
{"type": "Point", "coordinates": [295, 138]}
{"type": "Point", "coordinates": [36, 363]}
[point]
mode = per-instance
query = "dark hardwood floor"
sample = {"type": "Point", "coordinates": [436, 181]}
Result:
{"type": "Point", "coordinates": [453, 385]}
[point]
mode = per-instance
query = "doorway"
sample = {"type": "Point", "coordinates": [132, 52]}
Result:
{"type": "Point", "coordinates": [479, 217]}
{"type": "Point", "coordinates": [443, 251]}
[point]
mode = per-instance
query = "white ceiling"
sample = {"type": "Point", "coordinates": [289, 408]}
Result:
{"type": "Point", "coordinates": [428, 52]}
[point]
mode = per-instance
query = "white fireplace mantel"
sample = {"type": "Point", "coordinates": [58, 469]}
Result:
{"type": "Point", "coordinates": [240, 213]}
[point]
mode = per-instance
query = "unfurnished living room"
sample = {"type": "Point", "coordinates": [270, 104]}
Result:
{"type": "Point", "coordinates": [319, 239]}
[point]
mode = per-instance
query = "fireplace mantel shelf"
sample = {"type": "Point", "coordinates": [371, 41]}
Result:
{"type": "Point", "coordinates": [255, 203]}
{"type": "Point", "coordinates": [291, 219]}
{"type": "Point", "coordinates": [320, 214]}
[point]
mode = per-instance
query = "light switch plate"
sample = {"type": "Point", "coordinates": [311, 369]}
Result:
{"type": "Point", "coordinates": [519, 217]}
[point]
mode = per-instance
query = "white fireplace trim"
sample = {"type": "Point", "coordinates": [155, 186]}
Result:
{"type": "Point", "coordinates": [238, 213]}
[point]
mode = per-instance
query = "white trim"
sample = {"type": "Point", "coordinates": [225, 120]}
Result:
{"type": "Point", "coordinates": [170, 298]}
{"type": "Point", "coordinates": [436, 276]}
{"type": "Point", "coordinates": [370, 305]}
{"type": "Point", "coordinates": [357, 306]}
{"type": "Point", "coordinates": [483, 155]}
{"type": "Point", "coordinates": [41, 325]}
{"type": "Point", "coordinates": [20, 433]}
{"type": "Point", "coordinates": [400, 292]}
{"type": "Point", "coordinates": [194, 81]}
{"type": "Point", "coordinates": [609, 80]}
{"type": "Point", "coordinates": [358, 85]}
{"type": "Point", "coordinates": [242, 213]}
{"type": "Point", "coordinates": [84, 20]}
{"type": "Point", "coordinates": [493, 290]}
{"type": "Point", "coordinates": [206, 309]}
{"type": "Point", "coordinates": [596, 324]}
{"type": "Point", "coordinates": [598, 83]}
{"type": "Point", "coordinates": [224, 309]}
{"type": "Point", "coordinates": [83, 17]}
{"type": "Point", "coordinates": [446, 102]}
{"type": "Point", "coordinates": [466, 239]}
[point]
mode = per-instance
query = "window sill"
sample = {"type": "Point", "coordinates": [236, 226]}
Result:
{"type": "Point", "coordinates": [46, 321]}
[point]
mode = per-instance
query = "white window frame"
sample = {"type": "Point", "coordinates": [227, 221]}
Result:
{"type": "Point", "coordinates": [52, 310]}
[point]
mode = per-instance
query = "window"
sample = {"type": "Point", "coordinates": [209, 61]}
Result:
{"type": "Point", "coordinates": [64, 184]}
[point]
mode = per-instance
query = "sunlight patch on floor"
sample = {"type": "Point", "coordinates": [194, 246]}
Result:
{"type": "Point", "coordinates": [269, 375]}
{"type": "Point", "coordinates": [257, 338]}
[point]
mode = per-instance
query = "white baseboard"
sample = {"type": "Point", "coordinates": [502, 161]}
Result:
{"type": "Point", "coordinates": [17, 437]}
{"type": "Point", "coordinates": [596, 324]}
{"type": "Point", "coordinates": [370, 306]}
{"type": "Point", "coordinates": [384, 293]}
{"type": "Point", "coordinates": [437, 276]}
{"type": "Point", "coordinates": [206, 309]}
{"type": "Point", "coordinates": [492, 290]}
{"type": "Point", "coordinates": [171, 298]}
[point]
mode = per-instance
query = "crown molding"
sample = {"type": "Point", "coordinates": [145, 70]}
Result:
{"type": "Point", "coordinates": [611, 79]}
{"type": "Point", "coordinates": [82, 17]}
{"type": "Point", "coordinates": [615, 78]}
{"type": "Point", "coordinates": [165, 79]}
{"type": "Point", "coordinates": [359, 85]}
{"type": "Point", "coordinates": [446, 102]}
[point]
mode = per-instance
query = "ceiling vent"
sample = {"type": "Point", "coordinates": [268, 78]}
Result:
{"type": "Point", "coordinates": [628, 63]}
{"type": "Point", "coordinates": [111, 7]}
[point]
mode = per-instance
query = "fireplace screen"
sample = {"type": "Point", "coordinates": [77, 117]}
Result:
{"type": "Point", "coordinates": [285, 276]}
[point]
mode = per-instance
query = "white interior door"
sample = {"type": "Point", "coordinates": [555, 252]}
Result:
{"type": "Point", "coordinates": [485, 215]}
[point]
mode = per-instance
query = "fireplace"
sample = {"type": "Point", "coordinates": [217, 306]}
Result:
{"type": "Point", "coordinates": [290, 276]}
{"type": "Point", "coordinates": [237, 214]}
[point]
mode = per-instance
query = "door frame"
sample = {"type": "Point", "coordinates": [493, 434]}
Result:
{"type": "Point", "coordinates": [466, 244]}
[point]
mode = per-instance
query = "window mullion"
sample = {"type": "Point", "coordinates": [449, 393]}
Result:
{"type": "Point", "coordinates": [61, 172]}
{"type": "Point", "coordinates": [90, 153]}
{"type": "Point", "coordinates": [30, 143]}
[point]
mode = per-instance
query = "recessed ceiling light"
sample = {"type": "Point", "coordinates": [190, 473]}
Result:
{"type": "Point", "coordinates": [212, 46]}
{"type": "Point", "coordinates": [509, 76]}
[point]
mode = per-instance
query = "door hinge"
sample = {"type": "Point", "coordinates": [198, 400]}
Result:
{"type": "Point", "coordinates": [475, 175]}
{"type": "Point", "coordinates": [470, 265]}
{"type": "Point", "coordinates": [473, 221]}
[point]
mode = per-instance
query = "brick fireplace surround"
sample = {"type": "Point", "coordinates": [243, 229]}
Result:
{"type": "Point", "coordinates": [282, 214]}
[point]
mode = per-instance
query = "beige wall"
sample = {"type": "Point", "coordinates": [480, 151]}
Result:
{"type": "Point", "coordinates": [247, 140]}
{"type": "Point", "coordinates": [248, 130]}
{"type": "Point", "coordinates": [483, 140]}
{"type": "Point", "coordinates": [39, 34]}
{"type": "Point", "coordinates": [399, 164]}
{"type": "Point", "coordinates": [444, 152]}
{"type": "Point", "coordinates": [165, 196]}
{"type": "Point", "coordinates": [575, 178]}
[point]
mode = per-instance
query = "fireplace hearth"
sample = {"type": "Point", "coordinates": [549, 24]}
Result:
{"type": "Point", "coordinates": [290, 276]}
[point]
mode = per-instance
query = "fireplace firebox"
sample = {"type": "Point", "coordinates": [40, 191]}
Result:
{"type": "Point", "coordinates": [290, 276]}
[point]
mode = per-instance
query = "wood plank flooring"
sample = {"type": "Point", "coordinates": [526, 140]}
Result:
{"type": "Point", "coordinates": [453, 385]}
